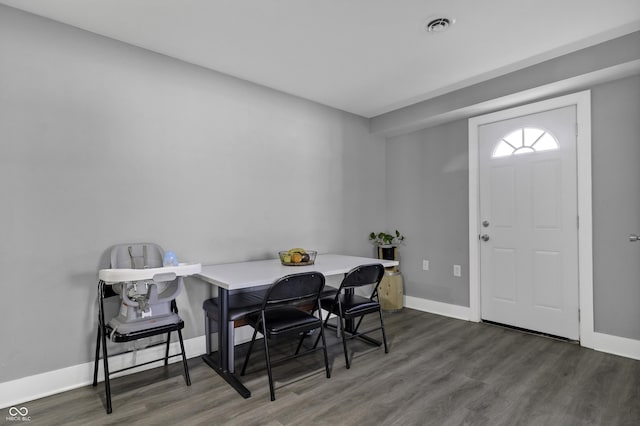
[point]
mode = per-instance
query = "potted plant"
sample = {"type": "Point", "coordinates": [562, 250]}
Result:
{"type": "Point", "coordinates": [387, 244]}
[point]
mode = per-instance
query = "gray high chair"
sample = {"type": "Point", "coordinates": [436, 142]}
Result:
{"type": "Point", "coordinates": [148, 308]}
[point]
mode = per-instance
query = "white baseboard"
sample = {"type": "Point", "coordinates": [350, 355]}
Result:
{"type": "Point", "coordinates": [440, 308]}
{"type": "Point", "coordinates": [616, 345]}
{"type": "Point", "coordinates": [18, 391]}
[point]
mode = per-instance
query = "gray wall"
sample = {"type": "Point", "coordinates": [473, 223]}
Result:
{"type": "Point", "coordinates": [428, 201]}
{"type": "Point", "coordinates": [104, 143]}
{"type": "Point", "coordinates": [616, 206]}
{"type": "Point", "coordinates": [427, 195]}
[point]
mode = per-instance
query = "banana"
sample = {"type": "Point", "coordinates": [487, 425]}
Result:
{"type": "Point", "coordinates": [297, 250]}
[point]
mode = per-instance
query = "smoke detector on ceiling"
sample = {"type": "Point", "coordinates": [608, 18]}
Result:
{"type": "Point", "coordinates": [438, 24]}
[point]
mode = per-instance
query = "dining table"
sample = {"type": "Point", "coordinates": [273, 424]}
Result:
{"type": "Point", "coordinates": [228, 277]}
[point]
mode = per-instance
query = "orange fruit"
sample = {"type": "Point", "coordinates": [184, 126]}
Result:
{"type": "Point", "coordinates": [296, 258]}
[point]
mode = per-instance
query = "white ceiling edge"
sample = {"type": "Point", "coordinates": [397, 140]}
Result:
{"type": "Point", "coordinates": [552, 54]}
{"type": "Point", "coordinates": [572, 84]}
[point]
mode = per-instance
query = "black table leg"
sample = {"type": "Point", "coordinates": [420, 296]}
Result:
{"type": "Point", "coordinates": [222, 364]}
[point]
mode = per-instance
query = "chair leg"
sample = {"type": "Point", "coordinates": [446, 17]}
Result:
{"type": "Point", "coordinates": [355, 330]}
{"type": "Point", "coordinates": [344, 341]}
{"type": "Point", "coordinates": [96, 363]}
{"type": "Point", "coordinates": [302, 336]}
{"type": "Point", "coordinates": [326, 356]}
{"type": "Point", "coordinates": [107, 383]}
{"type": "Point", "coordinates": [102, 338]}
{"type": "Point", "coordinates": [166, 352]}
{"type": "Point", "coordinates": [246, 359]}
{"type": "Point", "coordinates": [384, 336]}
{"type": "Point", "coordinates": [187, 377]}
{"type": "Point", "coordinates": [324, 324]}
{"type": "Point", "coordinates": [268, 360]}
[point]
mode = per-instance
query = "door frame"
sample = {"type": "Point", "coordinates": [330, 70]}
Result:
{"type": "Point", "coordinates": [582, 101]}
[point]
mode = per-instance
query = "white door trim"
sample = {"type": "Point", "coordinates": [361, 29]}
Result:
{"type": "Point", "coordinates": [582, 100]}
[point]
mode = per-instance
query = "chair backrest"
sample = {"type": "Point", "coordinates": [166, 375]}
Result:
{"type": "Point", "coordinates": [140, 256]}
{"type": "Point", "coordinates": [363, 275]}
{"type": "Point", "coordinates": [294, 287]}
{"type": "Point", "coordinates": [136, 256]}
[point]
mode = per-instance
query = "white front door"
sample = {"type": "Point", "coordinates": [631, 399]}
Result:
{"type": "Point", "coordinates": [528, 222]}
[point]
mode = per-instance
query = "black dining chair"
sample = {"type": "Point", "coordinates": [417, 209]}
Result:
{"type": "Point", "coordinates": [284, 312]}
{"type": "Point", "coordinates": [348, 306]}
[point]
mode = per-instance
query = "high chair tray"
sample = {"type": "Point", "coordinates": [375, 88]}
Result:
{"type": "Point", "coordinates": [165, 273]}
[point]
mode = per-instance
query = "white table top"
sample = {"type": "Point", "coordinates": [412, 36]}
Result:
{"type": "Point", "coordinates": [232, 276]}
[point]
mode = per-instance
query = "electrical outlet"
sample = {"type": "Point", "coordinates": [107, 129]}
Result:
{"type": "Point", "coordinates": [425, 265]}
{"type": "Point", "coordinates": [457, 271]}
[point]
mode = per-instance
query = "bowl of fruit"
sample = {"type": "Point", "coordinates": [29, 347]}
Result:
{"type": "Point", "coordinates": [297, 257]}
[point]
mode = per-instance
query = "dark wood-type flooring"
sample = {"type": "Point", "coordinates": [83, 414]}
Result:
{"type": "Point", "coordinates": [439, 371]}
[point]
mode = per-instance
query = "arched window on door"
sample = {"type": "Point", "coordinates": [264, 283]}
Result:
{"type": "Point", "coordinates": [525, 140]}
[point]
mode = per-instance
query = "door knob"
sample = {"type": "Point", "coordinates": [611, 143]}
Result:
{"type": "Point", "coordinates": [634, 237]}
{"type": "Point", "coordinates": [485, 223]}
{"type": "Point", "coordinates": [484, 237]}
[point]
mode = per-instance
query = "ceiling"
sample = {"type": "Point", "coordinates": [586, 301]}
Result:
{"type": "Point", "coordinates": [366, 57]}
